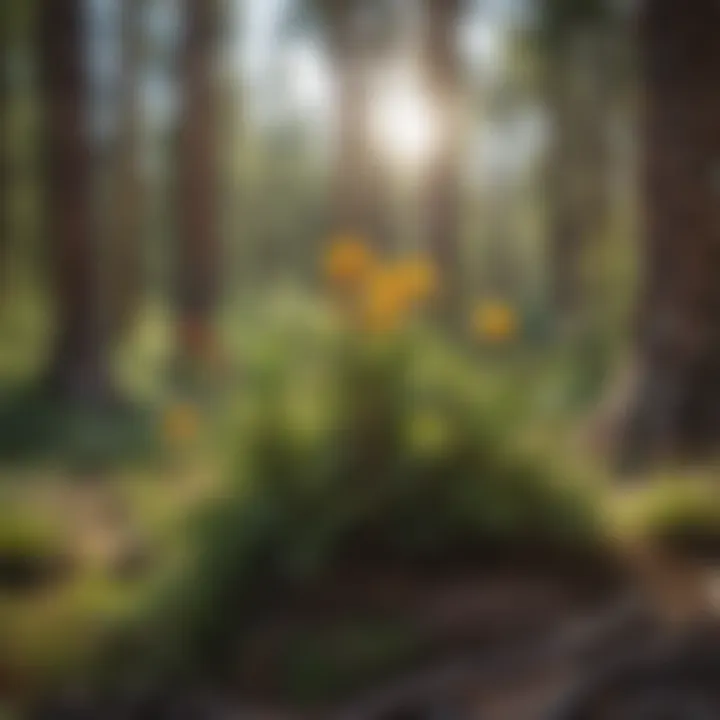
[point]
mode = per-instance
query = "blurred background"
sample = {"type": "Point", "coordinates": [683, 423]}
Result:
{"type": "Point", "coordinates": [335, 334]}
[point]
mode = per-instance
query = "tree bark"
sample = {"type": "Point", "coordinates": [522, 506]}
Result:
{"type": "Point", "coordinates": [128, 208]}
{"type": "Point", "coordinates": [78, 368]}
{"type": "Point", "coordinates": [677, 408]}
{"type": "Point", "coordinates": [578, 176]}
{"type": "Point", "coordinates": [565, 235]}
{"type": "Point", "coordinates": [441, 194]}
{"type": "Point", "coordinates": [358, 205]}
{"type": "Point", "coordinates": [199, 237]}
{"type": "Point", "coordinates": [5, 170]}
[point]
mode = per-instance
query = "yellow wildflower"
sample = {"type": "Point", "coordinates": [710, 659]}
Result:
{"type": "Point", "coordinates": [418, 278]}
{"type": "Point", "coordinates": [495, 322]}
{"type": "Point", "coordinates": [385, 302]}
{"type": "Point", "coordinates": [348, 261]}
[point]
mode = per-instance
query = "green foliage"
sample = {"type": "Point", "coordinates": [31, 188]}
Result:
{"type": "Point", "coordinates": [681, 514]}
{"type": "Point", "coordinates": [559, 19]}
{"type": "Point", "coordinates": [33, 425]}
{"type": "Point", "coordinates": [28, 541]}
{"type": "Point", "coordinates": [397, 450]}
{"type": "Point", "coordinates": [16, 17]}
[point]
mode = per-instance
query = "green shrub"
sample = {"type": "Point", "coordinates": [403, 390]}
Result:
{"type": "Point", "coordinates": [397, 448]}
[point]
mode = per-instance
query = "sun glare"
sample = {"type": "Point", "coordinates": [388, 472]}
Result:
{"type": "Point", "coordinates": [312, 80]}
{"type": "Point", "coordinates": [403, 124]}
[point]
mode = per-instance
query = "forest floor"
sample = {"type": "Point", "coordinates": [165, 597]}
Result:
{"type": "Point", "coordinates": [493, 641]}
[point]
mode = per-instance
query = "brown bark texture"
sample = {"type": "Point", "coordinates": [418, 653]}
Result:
{"type": "Point", "coordinates": [359, 204]}
{"type": "Point", "coordinates": [199, 251]}
{"type": "Point", "coordinates": [4, 155]}
{"type": "Point", "coordinates": [442, 187]}
{"type": "Point", "coordinates": [78, 368]}
{"type": "Point", "coordinates": [127, 228]}
{"type": "Point", "coordinates": [578, 97]}
{"type": "Point", "coordinates": [677, 409]}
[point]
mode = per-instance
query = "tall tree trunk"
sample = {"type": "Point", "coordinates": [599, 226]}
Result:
{"type": "Point", "coordinates": [128, 207]}
{"type": "Point", "coordinates": [199, 236]}
{"type": "Point", "coordinates": [678, 405]}
{"type": "Point", "coordinates": [358, 206]}
{"type": "Point", "coordinates": [578, 175]}
{"type": "Point", "coordinates": [441, 193]}
{"type": "Point", "coordinates": [78, 369]}
{"type": "Point", "coordinates": [5, 169]}
{"type": "Point", "coordinates": [565, 239]}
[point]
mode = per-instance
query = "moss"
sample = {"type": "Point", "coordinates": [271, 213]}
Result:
{"type": "Point", "coordinates": [681, 514]}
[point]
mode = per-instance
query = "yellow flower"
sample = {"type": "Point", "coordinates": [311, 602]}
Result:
{"type": "Point", "coordinates": [348, 261]}
{"type": "Point", "coordinates": [418, 278]}
{"type": "Point", "coordinates": [495, 322]}
{"type": "Point", "coordinates": [385, 302]}
{"type": "Point", "coordinates": [180, 424]}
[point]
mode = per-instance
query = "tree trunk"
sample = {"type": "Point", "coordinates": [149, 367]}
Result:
{"type": "Point", "coordinates": [5, 169]}
{"type": "Point", "coordinates": [678, 405]}
{"type": "Point", "coordinates": [565, 236]}
{"type": "Point", "coordinates": [128, 208]}
{"type": "Point", "coordinates": [441, 195]}
{"type": "Point", "coordinates": [358, 206]}
{"type": "Point", "coordinates": [78, 370]}
{"type": "Point", "coordinates": [578, 175]}
{"type": "Point", "coordinates": [199, 232]}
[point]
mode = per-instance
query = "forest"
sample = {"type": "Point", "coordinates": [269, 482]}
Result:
{"type": "Point", "coordinates": [358, 359]}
